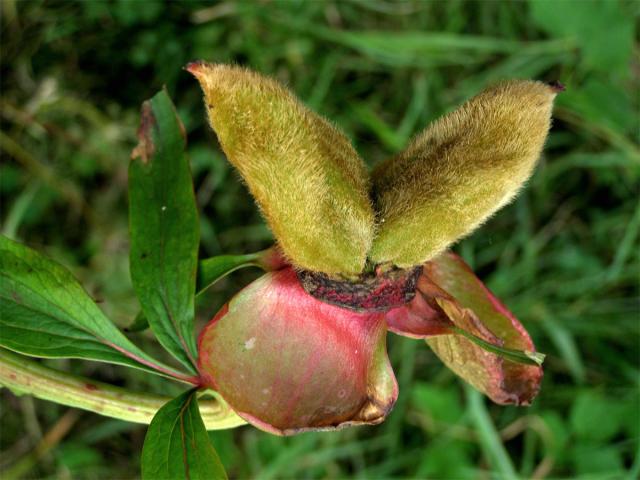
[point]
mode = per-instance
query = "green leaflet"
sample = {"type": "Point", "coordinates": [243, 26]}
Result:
{"type": "Point", "coordinates": [177, 445]}
{"type": "Point", "coordinates": [45, 312]}
{"type": "Point", "coordinates": [164, 230]}
{"type": "Point", "coordinates": [213, 269]}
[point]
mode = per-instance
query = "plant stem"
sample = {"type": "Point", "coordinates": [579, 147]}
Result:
{"type": "Point", "coordinates": [23, 375]}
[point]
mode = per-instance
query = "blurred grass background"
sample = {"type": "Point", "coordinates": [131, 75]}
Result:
{"type": "Point", "coordinates": [564, 256]}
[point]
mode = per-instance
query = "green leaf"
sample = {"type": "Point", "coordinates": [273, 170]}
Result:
{"type": "Point", "coordinates": [210, 271]}
{"type": "Point", "coordinates": [177, 445]}
{"type": "Point", "coordinates": [442, 405]}
{"type": "Point", "coordinates": [45, 312]}
{"type": "Point", "coordinates": [599, 103]}
{"type": "Point", "coordinates": [164, 228]}
{"type": "Point", "coordinates": [213, 269]}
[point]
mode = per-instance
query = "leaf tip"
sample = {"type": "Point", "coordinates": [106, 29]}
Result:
{"type": "Point", "coordinates": [537, 357]}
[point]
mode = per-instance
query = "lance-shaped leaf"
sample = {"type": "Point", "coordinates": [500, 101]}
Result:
{"type": "Point", "coordinates": [45, 312]}
{"type": "Point", "coordinates": [462, 321]}
{"type": "Point", "coordinates": [288, 362]}
{"type": "Point", "coordinates": [459, 171]}
{"type": "Point", "coordinates": [306, 177]}
{"type": "Point", "coordinates": [163, 224]}
{"type": "Point", "coordinates": [177, 446]}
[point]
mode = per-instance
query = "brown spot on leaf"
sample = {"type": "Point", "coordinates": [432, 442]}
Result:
{"type": "Point", "coordinates": [145, 148]}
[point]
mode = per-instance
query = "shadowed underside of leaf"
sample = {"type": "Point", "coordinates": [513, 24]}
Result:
{"type": "Point", "coordinates": [45, 312]}
{"type": "Point", "coordinates": [177, 446]}
{"type": "Point", "coordinates": [451, 298]}
{"type": "Point", "coordinates": [164, 228]}
{"type": "Point", "coordinates": [287, 362]}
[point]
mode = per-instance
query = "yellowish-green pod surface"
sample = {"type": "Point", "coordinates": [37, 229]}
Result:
{"type": "Point", "coordinates": [305, 175]}
{"type": "Point", "coordinates": [459, 171]}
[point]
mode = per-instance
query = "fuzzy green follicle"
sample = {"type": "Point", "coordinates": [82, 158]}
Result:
{"type": "Point", "coordinates": [305, 175]}
{"type": "Point", "coordinates": [329, 216]}
{"type": "Point", "coordinates": [459, 171]}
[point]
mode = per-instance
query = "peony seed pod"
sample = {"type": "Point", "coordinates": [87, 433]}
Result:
{"type": "Point", "coordinates": [306, 177]}
{"type": "Point", "coordinates": [459, 171]}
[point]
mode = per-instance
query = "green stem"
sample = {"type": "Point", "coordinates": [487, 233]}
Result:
{"type": "Point", "coordinates": [23, 375]}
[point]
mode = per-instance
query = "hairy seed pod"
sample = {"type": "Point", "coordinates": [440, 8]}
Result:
{"type": "Point", "coordinates": [459, 171]}
{"type": "Point", "coordinates": [304, 174]}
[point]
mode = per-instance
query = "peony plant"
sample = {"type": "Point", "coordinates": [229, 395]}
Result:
{"type": "Point", "coordinates": [304, 347]}
{"type": "Point", "coordinates": [357, 254]}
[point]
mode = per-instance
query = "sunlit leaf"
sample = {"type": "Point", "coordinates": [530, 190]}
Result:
{"type": "Point", "coordinates": [588, 23]}
{"type": "Point", "coordinates": [45, 312]}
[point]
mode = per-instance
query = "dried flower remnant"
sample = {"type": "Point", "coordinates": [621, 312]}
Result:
{"type": "Point", "coordinates": [303, 347]}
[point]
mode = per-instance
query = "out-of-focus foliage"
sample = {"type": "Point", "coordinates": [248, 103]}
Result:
{"type": "Point", "coordinates": [564, 256]}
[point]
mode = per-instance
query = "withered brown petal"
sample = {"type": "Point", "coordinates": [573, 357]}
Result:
{"type": "Point", "coordinates": [449, 293]}
{"type": "Point", "coordinates": [420, 318]}
{"type": "Point", "coordinates": [287, 362]}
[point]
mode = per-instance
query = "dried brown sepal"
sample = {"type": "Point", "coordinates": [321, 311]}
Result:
{"type": "Point", "coordinates": [469, 305]}
{"type": "Point", "coordinates": [471, 331]}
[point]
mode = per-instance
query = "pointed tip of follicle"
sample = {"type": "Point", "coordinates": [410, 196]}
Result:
{"type": "Point", "coordinates": [195, 67]}
{"type": "Point", "coordinates": [556, 86]}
